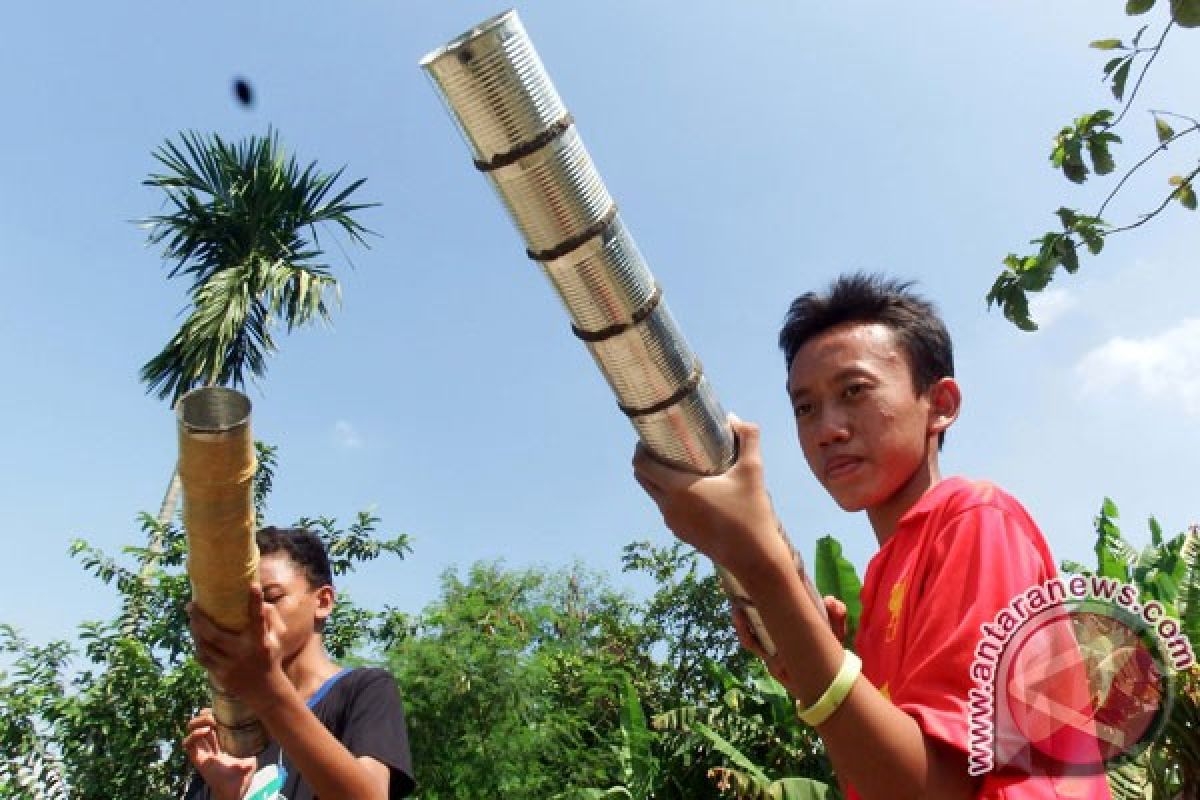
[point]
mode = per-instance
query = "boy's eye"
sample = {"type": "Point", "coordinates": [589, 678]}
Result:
{"type": "Point", "coordinates": [854, 389]}
{"type": "Point", "coordinates": [273, 598]}
{"type": "Point", "coordinates": [802, 409]}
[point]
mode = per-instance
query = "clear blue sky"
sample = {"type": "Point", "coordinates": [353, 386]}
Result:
{"type": "Point", "coordinates": [756, 151]}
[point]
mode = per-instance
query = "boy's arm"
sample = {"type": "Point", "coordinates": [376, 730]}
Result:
{"type": "Point", "coordinates": [324, 762]}
{"type": "Point", "coordinates": [873, 745]}
{"type": "Point", "coordinates": [248, 665]}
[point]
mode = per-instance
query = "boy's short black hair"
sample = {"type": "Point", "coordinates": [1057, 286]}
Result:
{"type": "Point", "coordinates": [864, 298]}
{"type": "Point", "coordinates": [303, 547]}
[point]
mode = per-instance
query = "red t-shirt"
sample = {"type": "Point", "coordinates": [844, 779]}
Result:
{"type": "Point", "coordinates": [958, 557]}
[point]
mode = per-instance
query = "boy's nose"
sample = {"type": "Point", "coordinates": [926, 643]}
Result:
{"type": "Point", "coordinates": [832, 428]}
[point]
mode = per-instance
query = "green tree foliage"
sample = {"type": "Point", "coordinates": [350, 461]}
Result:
{"type": "Point", "coordinates": [243, 227]}
{"type": "Point", "coordinates": [686, 620]}
{"type": "Point", "coordinates": [748, 742]}
{"type": "Point", "coordinates": [1084, 148]}
{"type": "Point", "coordinates": [727, 729]}
{"type": "Point", "coordinates": [103, 718]}
{"type": "Point", "coordinates": [509, 682]}
{"type": "Point", "coordinates": [1166, 570]}
{"type": "Point", "coordinates": [548, 683]}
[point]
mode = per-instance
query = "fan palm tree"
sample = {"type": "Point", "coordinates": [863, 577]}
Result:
{"type": "Point", "coordinates": [242, 225]}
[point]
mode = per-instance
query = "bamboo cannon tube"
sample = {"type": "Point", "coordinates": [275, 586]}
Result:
{"type": "Point", "coordinates": [524, 141]}
{"type": "Point", "coordinates": [216, 470]}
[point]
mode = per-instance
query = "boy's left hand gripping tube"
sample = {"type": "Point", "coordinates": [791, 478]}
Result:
{"type": "Point", "coordinates": [216, 470]}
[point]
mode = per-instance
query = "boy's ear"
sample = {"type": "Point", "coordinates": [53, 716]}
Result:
{"type": "Point", "coordinates": [325, 599]}
{"type": "Point", "coordinates": [945, 401]}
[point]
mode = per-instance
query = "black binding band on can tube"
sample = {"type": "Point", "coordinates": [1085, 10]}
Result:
{"type": "Point", "coordinates": [639, 314]}
{"type": "Point", "coordinates": [526, 148]}
{"type": "Point", "coordinates": [683, 391]}
{"type": "Point", "coordinates": [595, 229]}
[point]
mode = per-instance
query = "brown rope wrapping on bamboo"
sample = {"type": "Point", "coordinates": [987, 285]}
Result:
{"type": "Point", "coordinates": [216, 469]}
{"type": "Point", "coordinates": [217, 472]}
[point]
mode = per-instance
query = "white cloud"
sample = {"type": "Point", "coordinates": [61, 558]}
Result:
{"type": "Point", "coordinates": [1162, 367]}
{"type": "Point", "coordinates": [345, 436]}
{"type": "Point", "coordinates": [1048, 306]}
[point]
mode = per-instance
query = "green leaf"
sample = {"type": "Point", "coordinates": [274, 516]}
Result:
{"type": "Point", "coordinates": [1190, 590]}
{"type": "Point", "coordinates": [1110, 547]}
{"type": "Point", "coordinates": [1068, 217]}
{"type": "Point", "coordinates": [1075, 171]}
{"type": "Point", "coordinates": [1109, 509]}
{"type": "Point", "coordinates": [1164, 589]}
{"type": "Point", "coordinates": [1093, 239]}
{"type": "Point", "coordinates": [836, 576]}
{"type": "Point", "coordinates": [1107, 44]}
{"type": "Point", "coordinates": [1035, 280]}
{"type": "Point", "coordinates": [1112, 64]}
{"type": "Point", "coordinates": [1187, 196]}
{"type": "Point", "coordinates": [1163, 130]}
{"type": "Point", "coordinates": [1186, 13]}
{"type": "Point", "coordinates": [725, 748]}
{"type": "Point", "coordinates": [1102, 160]}
{"type": "Point", "coordinates": [1135, 7]}
{"type": "Point", "coordinates": [1155, 532]}
{"type": "Point", "coordinates": [1119, 78]}
{"type": "Point", "coordinates": [1137, 37]}
{"type": "Point", "coordinates": [798, 789]}
{"type": "Point", "coordinates": [1067, 254]}
{"type": "Point", "coordinates": [637, 758]}
{"type": "Point", "coordinates": [1016, 310]}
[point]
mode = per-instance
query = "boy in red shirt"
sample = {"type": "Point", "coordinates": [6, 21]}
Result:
{"type": "Point", "coordinates": [870, 377]}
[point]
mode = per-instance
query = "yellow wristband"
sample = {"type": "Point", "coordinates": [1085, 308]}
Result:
{"type": "Point", "coordinates": [832, 699]}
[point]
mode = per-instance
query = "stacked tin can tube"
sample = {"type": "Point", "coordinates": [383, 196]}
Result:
{"type": "Point", "coordinates": [524, 140]}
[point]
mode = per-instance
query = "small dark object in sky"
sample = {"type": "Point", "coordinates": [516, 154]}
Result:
{"type": "Point", "coordinates": [244, 92]}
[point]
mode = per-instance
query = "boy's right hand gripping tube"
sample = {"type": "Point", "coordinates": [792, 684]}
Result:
{"type": "Point", "coordinates": [524, 140]}
{"type": "Point", "coordinates": [216, 470]}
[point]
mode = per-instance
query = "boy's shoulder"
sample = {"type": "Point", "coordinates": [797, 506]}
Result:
{"type": "Point", "coordinates": [965, 516]}
{"type": "Point", "coordinates": [957, 495]}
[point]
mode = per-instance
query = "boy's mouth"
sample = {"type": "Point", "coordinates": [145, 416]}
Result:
{"type": "Point", "coordinates": [840, 466]}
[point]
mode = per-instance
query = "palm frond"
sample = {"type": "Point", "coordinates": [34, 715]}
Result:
{"type": "Point", "coordinates": [242, 223]}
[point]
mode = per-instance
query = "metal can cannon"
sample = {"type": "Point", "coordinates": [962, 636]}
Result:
{"type": "Point", "coordinates": [523, 139]}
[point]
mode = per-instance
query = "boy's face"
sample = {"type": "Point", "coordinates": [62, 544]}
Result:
{"type": "Point", "coordinates": [864, 430]}
{"type": "Point", "coordinates": [301, 607]}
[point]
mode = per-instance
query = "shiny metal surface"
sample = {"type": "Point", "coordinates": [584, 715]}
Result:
{"type": "Point", "coordinates": [692, 434]}
{"type": "Point", "coordinates": [239, 732]}
{"type": "Point", "coordinates": [520, 134]}
{"type": "Point", "coordinates": [604, 281]}
{"type": "Point", "coordinates": [553, 194]}
{"type": "Point", "coordinates": [214, 410]}
{"type": "Point", "coordinates": [495, 86]}
{"type": "Point", "coordinates": [647, 363]}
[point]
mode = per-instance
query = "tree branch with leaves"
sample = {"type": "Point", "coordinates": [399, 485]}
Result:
{"type": "Point", "coordinates": [1084, 148]}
